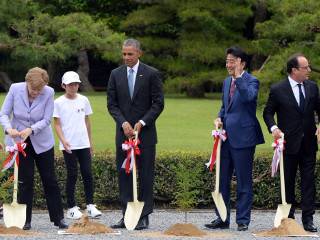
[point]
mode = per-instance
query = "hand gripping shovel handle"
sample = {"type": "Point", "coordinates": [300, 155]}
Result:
{"type": "Point", "coordinates": [134, 171]}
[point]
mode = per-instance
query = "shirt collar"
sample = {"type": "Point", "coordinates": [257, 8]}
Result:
{"type": "Point", "coordinates": [240, 75]}
{"type": "Point", "coordinates": [293, 83]}
{"type": "Point", "coordinates": [135, 67]}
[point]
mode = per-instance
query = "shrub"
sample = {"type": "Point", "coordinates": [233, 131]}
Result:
{"type": "Point", "coordinates": [266, 189]}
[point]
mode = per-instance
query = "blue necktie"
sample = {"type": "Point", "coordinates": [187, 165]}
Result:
{"type": "Point", "coordinates": [301, 97]}
{"type": "Point", "coordinates": [130, 81]}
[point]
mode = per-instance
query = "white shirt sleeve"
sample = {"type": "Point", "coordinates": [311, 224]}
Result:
{"type": "Point", "coordinates": [56, 110]}
{"type": "Point", "coordinates": [87, 107]}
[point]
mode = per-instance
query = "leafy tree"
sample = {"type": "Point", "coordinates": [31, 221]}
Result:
{"type": "Point", "coordinates": [37, 38]}
{"type": "Point", "coordinates": [188, 38]}
{"type": "Point", "coordinates": [293, 27]}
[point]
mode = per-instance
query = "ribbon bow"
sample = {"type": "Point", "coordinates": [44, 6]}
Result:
{"type": "Point", "coordinates": [131, 146]}
{"type": "Point", "coordinates": [278, 146]}
{"type": "Point", "coordinates": [217, 135]}
{"type": "Point", "coordinates": [13, 155]}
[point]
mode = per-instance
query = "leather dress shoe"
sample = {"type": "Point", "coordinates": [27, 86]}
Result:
{"type": "Point", "coordinates": [309, 226]}
{"type": "Point", "coordinates": [242, 227]}
{"type": "Point", "coordinates": [27, 226]}
{"type": "Point", "coordinates": [143, 223]}
{"type": "Point", "coordinates": [61, 224]}
{"type": "Point", "coordinates": [217, 223]}
{"type": "Point", "coordinates": [119, 224]}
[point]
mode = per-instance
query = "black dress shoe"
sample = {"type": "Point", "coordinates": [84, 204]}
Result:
{"type": "Point", "coordinates": [61, 224]}
{"type": "Point", "coordinates": [119, 224]}
{"type": "Point", "coordinates": [217, 223]}
{"type": "Point", "coordinates": [143, 223]}
{"type": "Point", "coordinates": [242, 227]}
{"type": "Point", "coordinates": [310, 227]}
{"type": "Point", "coordinates": [27, 226]}
{"type": "Point", "coordinates": [291, 216]}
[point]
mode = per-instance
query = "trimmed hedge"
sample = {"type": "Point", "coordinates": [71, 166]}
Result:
{"type": "Point", "coordinates": [266, 189]}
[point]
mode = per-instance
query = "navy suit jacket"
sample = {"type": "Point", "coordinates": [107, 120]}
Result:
{"type": "Point", "coordinates": [146, 104]}
{"type": "Point", "coordinates": [239, 115]}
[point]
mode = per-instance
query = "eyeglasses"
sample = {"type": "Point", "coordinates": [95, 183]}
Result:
{"type": "Point", "coordinates": [305, 67]}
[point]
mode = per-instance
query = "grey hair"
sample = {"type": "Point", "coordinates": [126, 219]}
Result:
{"type": "Point", "coordinates": [133, 43]}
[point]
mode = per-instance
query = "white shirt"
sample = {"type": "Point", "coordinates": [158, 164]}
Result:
{"type": "Point", "coordinates": [295, 90]}
{"type": "Point", "coordinates": [135, 70]}
{"type": "Point", "coordinates": [72, 113]}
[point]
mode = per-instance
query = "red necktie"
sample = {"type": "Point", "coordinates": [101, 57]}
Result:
{"type": "Point", "coordinates": [232, 89]}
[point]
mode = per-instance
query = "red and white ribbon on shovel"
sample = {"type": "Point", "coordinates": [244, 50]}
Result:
{"type": "Point", "coordinates": [217, 135]}
{"type": "Point", "coordinates": [131, 146]}
{"type": "Point", "coordinates": [278, 146]}
{"type": "Point", "coordinates": [13, 155]}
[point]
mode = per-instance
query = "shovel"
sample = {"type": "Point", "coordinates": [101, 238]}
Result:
{"type": "Point", "coordinates": [216, 195]}
{"type": "Point", "coordinates": [14, 214]}
{"type": "Point", "coordinates": [134, 209]}
{"type": "Point", "coordinates": [284, 208]}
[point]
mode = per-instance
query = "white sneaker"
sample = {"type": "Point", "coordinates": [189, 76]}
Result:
{"type": "Point", "coordinates": [92, 211]}
{"type": "Point", "coordinates": [74, 213]}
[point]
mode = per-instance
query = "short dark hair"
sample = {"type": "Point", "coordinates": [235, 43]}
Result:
{"type": "Point", "coordinates": [238, 52]}
{"type": "Point", "coordinates": [293, 62]}
{"type": "Point", "coordinates": [133, 43]}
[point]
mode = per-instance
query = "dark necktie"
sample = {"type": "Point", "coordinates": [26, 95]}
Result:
{"type": "Point", "coordinates": [232, 89]}
{"type": "Point", "coordinates": [130, 82]}
{"type": "Point", "coordinates": [301, 97]}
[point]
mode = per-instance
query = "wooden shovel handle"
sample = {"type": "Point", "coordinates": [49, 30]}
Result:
{"type": "Point", "coordinates": [282, 181]}
{"type": "Point", "coordinates": [217, 189]}
{"type": "Point", "coordinates": [134, 171]}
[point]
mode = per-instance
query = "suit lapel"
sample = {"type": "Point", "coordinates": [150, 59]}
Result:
{"type": "Point", "coordinates": [226, 93]}
{"type": "Point", "coordinates": [139, 80]}
{"type": "Point", "coordinates": [24, 96]}
{"type": "Point", "coordinates": [291, 94]}
{"type": "Point", "coordinates": [124, 81]}
{"type": "Point", "coordinates": [306, 93]}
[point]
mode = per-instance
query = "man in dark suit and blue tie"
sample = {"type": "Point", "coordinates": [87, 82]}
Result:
{"type": "Point", "coordinates": [135, 100]}
{"type": "Point", "coordinates": [295, 100]}
{"type": "Point", "coordinates": [238, 117]}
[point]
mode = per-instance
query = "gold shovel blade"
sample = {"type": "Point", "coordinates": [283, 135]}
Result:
{"type": "Point", "coordinates": [132, 215]}
{"type": "Point", "coordinates": [220, 205]}
{"type": "Point", "coordinates": [282, 212]}
{"type": "Point", "coordinates": [14, 215]}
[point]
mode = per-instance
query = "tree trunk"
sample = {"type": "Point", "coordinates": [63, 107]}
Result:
{"type": "Point", "coordinates": [5, 81]}
{"type": "Point", "coordinates": [83, 71]}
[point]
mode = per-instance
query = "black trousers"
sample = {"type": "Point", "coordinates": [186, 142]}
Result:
{"type": "Point", "coordinates": [45, 164]}
{"type": "Point", "coordinates": [305, 160]}
{"type": "Point", "coordinates": [83, 156]}
{"type": "Point", "coordinates": [145, 171]}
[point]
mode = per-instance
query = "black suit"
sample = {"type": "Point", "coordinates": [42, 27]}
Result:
{"type": "Point", "coordinates": [301, 143]}
{"type": "Point", "coordinates": [146, 104]}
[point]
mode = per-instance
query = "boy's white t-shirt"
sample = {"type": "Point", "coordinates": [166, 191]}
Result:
{"type": "Point", "coordinates": [72, 113]}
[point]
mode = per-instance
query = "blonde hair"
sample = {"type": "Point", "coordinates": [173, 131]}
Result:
{"type": "Point", "coordinates": [37, 78]}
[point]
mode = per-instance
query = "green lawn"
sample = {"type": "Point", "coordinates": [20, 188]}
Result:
{"type": "Point", "coordinates": [185, 124]}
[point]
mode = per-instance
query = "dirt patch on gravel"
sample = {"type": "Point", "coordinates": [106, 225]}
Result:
{"type": "Point", "coordinates": [288, 227]}
{"type": "Point", "coordinates": [84, 226]}
{"type": "Point", "coordinates": [14, 231]}
{"type": "Point", "coordinates": [184, 229]}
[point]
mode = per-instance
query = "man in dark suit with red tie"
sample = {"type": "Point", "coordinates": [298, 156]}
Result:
{"type": "Point", "coordinates": [238, 117]}
{"type": "Point", "coordinates": [135, 100]}
{"type": "Point", "coordinates": [295, 101]}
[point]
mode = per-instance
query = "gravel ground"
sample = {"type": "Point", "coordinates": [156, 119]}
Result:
{"type": "Point", "coordinates": [160, 220]}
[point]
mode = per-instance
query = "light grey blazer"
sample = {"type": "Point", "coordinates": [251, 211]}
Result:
{"type": "Point", "coordinates": [16, 112]}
